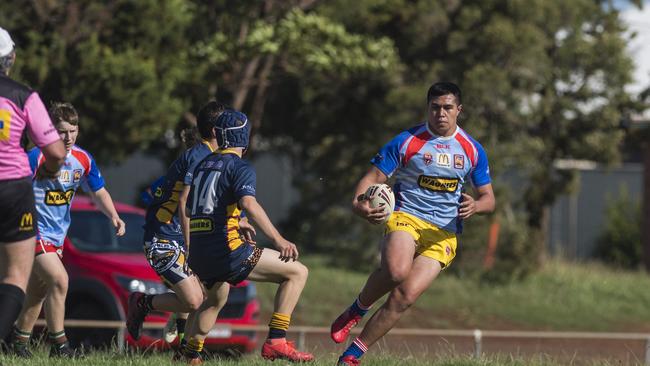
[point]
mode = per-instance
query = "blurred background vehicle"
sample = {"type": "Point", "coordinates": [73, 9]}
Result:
{"type": "Point", "coordinates": [104, 269]}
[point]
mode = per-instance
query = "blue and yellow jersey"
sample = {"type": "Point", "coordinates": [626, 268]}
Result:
{"type": "Point", "coordinates": [430, 171]}
{"type": "Point", "coordinates": [220, 181]}
{"type": "Point", "coordinates": [161, 218]}
{"type": "Point", "coordinates": [53, 197]}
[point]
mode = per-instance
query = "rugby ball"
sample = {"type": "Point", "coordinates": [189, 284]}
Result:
{"type": "Point", "coordinates": [381, 195]}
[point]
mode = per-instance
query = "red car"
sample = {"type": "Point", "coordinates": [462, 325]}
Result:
{"type": "Point", "coordinates": [104, 269]}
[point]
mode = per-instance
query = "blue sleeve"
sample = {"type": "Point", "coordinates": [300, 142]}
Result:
{"type": "Point", "coordinates": [481, 173]}
{"type": "Point", "coordinates": [33, 155]}
{"type": "Point", "coordinates": [244, 181]}
{"type": "Point", "coordinates": [191, 160]}
{"type": "Point", "coordinates": [189, 173]}
{"type": "Point", "coordinates": [94, 180]}
{"type": "Point", "coordinates": [388, 158]}
{"type": "Point", "coordinates": [147, 195]}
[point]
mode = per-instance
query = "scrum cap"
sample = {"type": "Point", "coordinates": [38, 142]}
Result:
{"type": "Point", "coordinates": [233, 129]}
{"type": "Point", "coordinates": [6, 43]}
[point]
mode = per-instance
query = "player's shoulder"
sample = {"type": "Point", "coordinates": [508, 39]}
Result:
{"type": "Point", "coordinates": [15, 91]}
{"type": "Point", "coordinates": [416, 130]}
{"type": "Point", "coordinates": [464, 134]}
{"type": "Point", "coordinates": [407, 135]}
{"type": "Point", "coordinates": [196, 153]}
{"type": "Point", "coordinates": [240, 165]}
{"type": "Point", "coordinates": [82, 156]}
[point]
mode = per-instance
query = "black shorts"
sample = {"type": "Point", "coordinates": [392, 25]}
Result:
{"type": "Point", "coordinates": [232, 268]}
{"type": "Point", "coordinates": [17, 210]}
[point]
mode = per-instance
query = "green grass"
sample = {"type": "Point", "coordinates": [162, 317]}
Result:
{"type": "Point", "coordinates": [164, 359]}
{"type": "Point", "coordinates": [562, 296]}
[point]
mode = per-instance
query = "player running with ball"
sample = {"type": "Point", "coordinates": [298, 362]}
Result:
{"type": "Point", "coordinates": [431, 162]}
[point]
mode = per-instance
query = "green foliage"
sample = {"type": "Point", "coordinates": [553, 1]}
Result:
{"type": "Point", "coordinates": [120, 71]}
{"type": "Point", "coordinates": [619, 245]}
{"type": "Point", "coordinates": [328, 82]}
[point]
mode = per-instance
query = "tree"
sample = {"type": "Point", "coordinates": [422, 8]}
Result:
{"type": "Point", "coordinates": [112, 60]}
{"type": "Point", "coordinates": [537, 85]}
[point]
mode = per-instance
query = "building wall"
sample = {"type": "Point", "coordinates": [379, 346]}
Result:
{"type": "Point", "coordinates": [578, 219]}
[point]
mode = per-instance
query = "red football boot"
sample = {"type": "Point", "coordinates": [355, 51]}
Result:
{"type": "Point", "coordinates": [285, 351]}
{"type": "Point", "coordinates": [348, 360]}
{"type": "Point", "coordinates": [342, 325]}
{"type": "Point", "coordinates": [135, 314]}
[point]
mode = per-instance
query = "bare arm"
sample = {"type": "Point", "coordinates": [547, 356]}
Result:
{"type": "Point", "coordinates": [104, 202]}
{"type": "Point", "coordinates": [183, 216]}
{"type": "Point", "coordinates": [255, 212]}
{"type": "Point", "coordinates": [54, 157]}
{"type": "Point", "coordinates": [485, 202]}
{"type": "Point", "coordinates": [361, 206]}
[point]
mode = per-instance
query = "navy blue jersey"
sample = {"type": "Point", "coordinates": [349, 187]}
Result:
{"type": "Point", "coordinates": [161, 217]}
{"type": "Point", "coordinates": [219, 182]}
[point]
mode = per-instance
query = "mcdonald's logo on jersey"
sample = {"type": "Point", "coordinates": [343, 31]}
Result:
{"type": "Point", "coordinates": [64, 176]}
{"type": "Point", "coordinates": [443, 160]}
{"type": "Point", "coordinates": [26, 222]}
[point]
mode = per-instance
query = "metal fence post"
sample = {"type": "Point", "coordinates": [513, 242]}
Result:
{"type": "Point", "coordinates": [301, 340]}
{"type": "Point", "coordinates": [121, 339]}
{"type": "Point", "coordinates": [647, 351]}
{"type": "Point", "coordinates": [478, 336]}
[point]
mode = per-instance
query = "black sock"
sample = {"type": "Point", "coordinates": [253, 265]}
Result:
{"type": "Point", "coordinates": [180, 325]}
{"type": "Point", "coordinates": [11, 301]}
{"type": "Point", "coordinates": [147, 303]}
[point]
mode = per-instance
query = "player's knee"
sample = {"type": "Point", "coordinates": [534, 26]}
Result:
{"type": "Point", "coordinates": [298, 273]}
{"type": "Point", "coordinates": [60, 283]}
{"type": "Point", "coordinates": [194, 303]}
{"type": "Point", "coordinates": [398, 275]}
{"type": "Point", "coordinates": [302, 272]}
{"type": "Point", "coordinates": [401, 300]}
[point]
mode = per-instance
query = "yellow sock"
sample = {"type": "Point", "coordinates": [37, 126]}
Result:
{"type": "Point", "coordinates": [278, 325]}
{"type": "Point", "coordinates": [195, 345]}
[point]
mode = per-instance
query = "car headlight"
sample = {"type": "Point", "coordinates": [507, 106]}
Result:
{"type": "Point", "coordinates": [138, 285]}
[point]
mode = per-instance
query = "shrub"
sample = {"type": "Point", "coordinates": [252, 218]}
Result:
{"type": "Point", "coordinates": [619, 245]}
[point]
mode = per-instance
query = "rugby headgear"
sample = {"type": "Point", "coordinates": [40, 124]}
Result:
{"type": "Point", "coordinates": [6, 44]}
{"type": "Point", "coordinates": [233, 129]}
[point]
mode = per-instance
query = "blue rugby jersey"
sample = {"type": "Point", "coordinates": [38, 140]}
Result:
{"type": "Point", "coordinates": [161, 217]}
{"type": "Point", "coordinates": [53, 197]}
{"type": "Point", "coordinates": [430, 171]}
{"type": "Point", "coordinates": [220, 181]}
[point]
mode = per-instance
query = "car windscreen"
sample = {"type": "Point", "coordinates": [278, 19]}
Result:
{"type": "Point", "coordinates": [93, 232]}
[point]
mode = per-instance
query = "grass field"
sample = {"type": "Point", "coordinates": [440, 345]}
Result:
{"type": "Point", "coordinates": [163, 359]}
{"type": "Point", "coordinates": [584, 297]}
{"type": "Point", "coordinates": [562, 296]}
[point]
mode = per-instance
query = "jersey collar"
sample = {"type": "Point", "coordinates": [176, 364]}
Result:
{"type": "Point", "coordinates": [207, 143]}
{"type": "Point", "coordinates": [436, 136]}
{"type": "Point", "coordinates": [229, 151]}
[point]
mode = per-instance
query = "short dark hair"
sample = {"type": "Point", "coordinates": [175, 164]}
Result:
{"type": "Point", "coordinates": [190, 136]}
{"type": "Point", "coordinates": [63, 112]}
{"type": "Point", "coordinates": [207, 117]}
{"type": "Point", "coordinates": [443, 88]}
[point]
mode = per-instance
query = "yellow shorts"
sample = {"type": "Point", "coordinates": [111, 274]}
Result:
{"type": "Point", "coordinates": [431, 241]}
